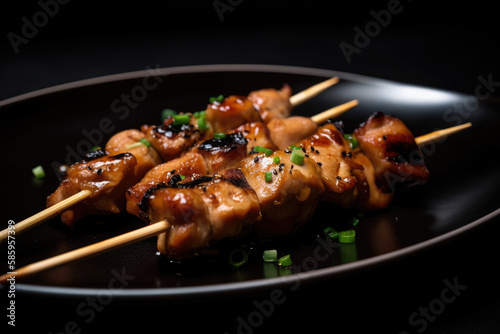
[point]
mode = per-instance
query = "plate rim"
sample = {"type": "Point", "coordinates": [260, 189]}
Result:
{"type": "Point", "coordinates": [162, 71]}
{"type": "Point", "coordinates": [255, 284]}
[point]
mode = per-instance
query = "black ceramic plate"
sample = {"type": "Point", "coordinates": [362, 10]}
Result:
{"type": "Point", "coordinates": [60, 124]}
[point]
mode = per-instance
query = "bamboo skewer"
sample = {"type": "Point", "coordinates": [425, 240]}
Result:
{"type": "Point", "coordinates": [312, 91]}
{"type": "Point", "coordinates": [334, 112]}
{"type": "Point", "coordinates": [425, 139]}
{"type": "Point", "coordinates": [149, 231]}
{"type": "Point", "coordinates": [91, 250]}
{"type": "Point", "coordinates": [46, 214]}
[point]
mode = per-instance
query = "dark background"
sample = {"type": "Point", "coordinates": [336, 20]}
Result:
{"type": "Point", "coordinates": [445, 45]}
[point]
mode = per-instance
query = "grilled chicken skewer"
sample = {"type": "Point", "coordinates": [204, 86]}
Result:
{"type": "Point", "coordinates": [159, 228]}
{"type": "Point", "coordinates": [109, 176]}
{"type": "Point", "coordinates": [69, 196]}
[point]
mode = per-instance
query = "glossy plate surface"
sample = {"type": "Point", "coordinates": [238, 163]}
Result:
{"type": "Point", "coordinates": [58, 125]}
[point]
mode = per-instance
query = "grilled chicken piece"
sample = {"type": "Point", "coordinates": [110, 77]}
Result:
{"type": "Point", "coordinates": [128, 141]}
{"type": "Point", "coordinates": [173, 140]}
{"type": "Point", "coordinates": [190, 166]}
{"type": "Point", "coordinates": [232, 203]}
{"type": "Point", "coordinates": [369, 195]}
{"type": "Point", "coordinates": [328, 148]}
{"type": "Point", "coordinates": [225, 153]}
{"type": "Point", "coordinates": [208, 157]}
{"type": "Point", "coordinates": [107, 177]}
{"type": "Point", "coordinates": [189, 220]}
{"type": "Point", "coordinates": [271, 103]}
{"type": "Point", "coordinates": [257, 134]}
{"type": "Point", "coordinates": [288, 131]}
{"type": "Point", "coordinates": [392, 149]}
{"type": "Point", "coordinates": [231, 113]}
{"type": "Point", "coordinates": [201, 211]}
{"type": "Point", "coordinates": [290, 199]}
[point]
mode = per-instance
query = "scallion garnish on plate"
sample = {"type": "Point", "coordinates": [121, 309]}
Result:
{"type": "Point", "coordinates": [238, 257]}
{"type": "Point", "coordinates": [270, 255]}
{"type": "Point", "coordinates": [38, 172]}
{"type": "Point", "coordinates": [347, 237]}
{"type": "Point", "coordinates": [285, 260]}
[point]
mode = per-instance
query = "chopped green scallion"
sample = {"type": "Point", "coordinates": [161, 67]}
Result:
{"type": "Point", "coordinates": [238, 257]}
{"type": "Point", "coordinates": [331, 232]}
{"type": "Point", "coordinates": [167, 112]}
{"type": "Point", "coordinates": [270, 255]}
{"type": "Point", "coordinates": [136, 144]}
{"type": "Point", "coordinates": [141, 142]}
{"type": "Point", "coordinates": [276, 160]}
{"type": "Point", "coordinates": [353, 142]}
{"type": "Point", "coordinates": [198, 114]}
{"type": "Point", "coordinates": [145, 142]}
{"type": "Point", "coordinates": [297, 157]}
{"type": "Point", "coordinates": [219, 135]}
{"type": "Point", "coordinates": [219, 99]}
{"type": "Point", "coordinates": [285, 261]}
{"type": "Point", "coordinates": [261, 149]}
{"type": "Point", "coordinates": [268, 176]}
{"type": "Point", "coordinates": [181, 119]}
{"type": "Point", "coordinates": [347, 237]}
{"type": "Point", "coordinates": [38, 172]}
{"type": "Point", "coordinates": [202, 123]}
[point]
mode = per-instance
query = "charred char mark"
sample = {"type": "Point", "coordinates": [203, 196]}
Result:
{"type": "Point", "coordinates": [176, 178]}
{"type": "Point", "coordinates": [401, 151]}
{"type": "Point", "coordinates": [235, 177]}
{"type": "Point", "coordinates": [120, 156]}
{"type": "Point", "coordinates": [101, 153]}
{"type": "Point", "coordinates": [226, 144]}
{"type": "Point", "coordinates": [144, 203]}
{"type": "Point", "coordinates": [173, 183]}
{"type": "Point", "coordinates": [94, 155]}
{"type": "Point", "coordinates": [194, 183]}
{"type": "Point", "coordinates": [169, 129]}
